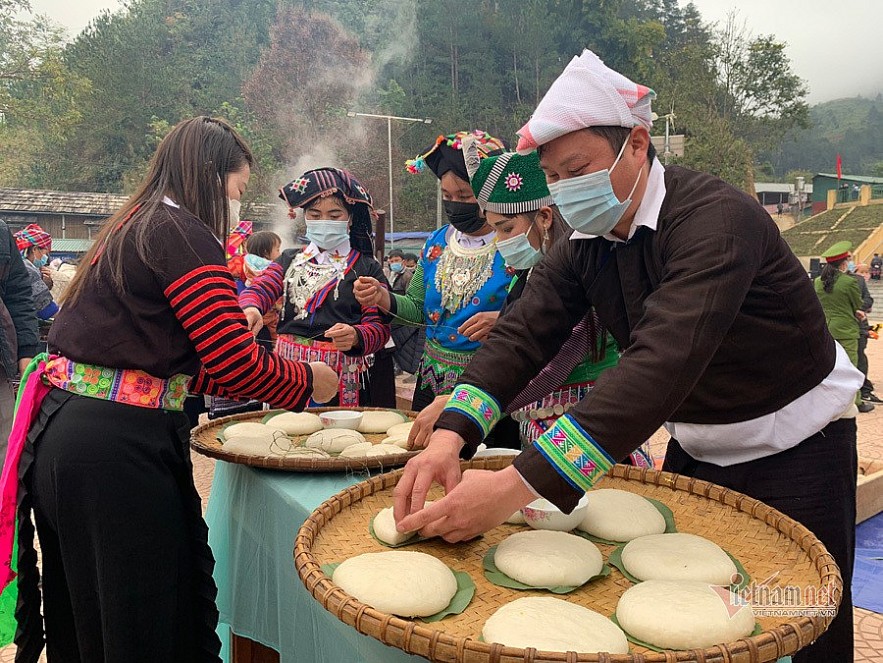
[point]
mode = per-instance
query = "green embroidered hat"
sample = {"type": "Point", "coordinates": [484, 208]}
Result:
{"type": "Point", "coordinates": [511, 183]}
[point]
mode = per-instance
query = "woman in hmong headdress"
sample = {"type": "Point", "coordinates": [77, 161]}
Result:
{"type": "Point", "coordinates": [35, 245]}
{"type": "Point", "coordinates": [321, 319]}
{"type": "Point", "coordinates": [511, 189]}
{"type": "Point", "coordinates": [461, 280]}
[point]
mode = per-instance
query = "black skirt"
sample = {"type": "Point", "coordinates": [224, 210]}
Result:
{"type": "Point", "coordinates": [127, 571]}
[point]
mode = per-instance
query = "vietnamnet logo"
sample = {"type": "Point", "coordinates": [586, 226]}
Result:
{"type": "Point", "coordinates": [770, 600]}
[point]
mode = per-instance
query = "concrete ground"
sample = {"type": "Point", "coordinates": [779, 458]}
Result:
{"type": "Point", "coordinates": [868, 625]}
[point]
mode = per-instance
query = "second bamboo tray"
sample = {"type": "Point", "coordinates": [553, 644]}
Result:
{"type": "Point", "coordinates": [771, 547]}
{"type": "Point", "coordinates": [204, 440]}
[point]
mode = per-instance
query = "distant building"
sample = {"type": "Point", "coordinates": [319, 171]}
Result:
{"type": "Point", "coordinates": [74, 218]}
{"type": "Point", "coordinates": [847, 188]}
{"type": "Point", "coordinates": [773, 194]}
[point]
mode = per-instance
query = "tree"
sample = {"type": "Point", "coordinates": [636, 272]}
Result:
{"type": "Point", "coordinates": [39, 95]}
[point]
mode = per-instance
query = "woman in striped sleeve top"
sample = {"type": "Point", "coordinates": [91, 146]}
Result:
{"type": "Point", "coordinates": [105, 465]}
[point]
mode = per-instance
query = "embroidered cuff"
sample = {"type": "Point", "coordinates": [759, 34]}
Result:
{"type": "Point", "coordinates": [573, 453]}
{"type": "Point", "coordinates": [478, 406]}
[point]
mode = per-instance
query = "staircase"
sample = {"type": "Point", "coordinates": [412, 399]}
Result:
{"type": "Point", "coordinates": [876, 290]}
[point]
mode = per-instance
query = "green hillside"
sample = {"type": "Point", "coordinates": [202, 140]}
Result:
{"type": "Point", "coordinates": [850, 127]}
{"type": "Point", "coordinates": [817, 233]}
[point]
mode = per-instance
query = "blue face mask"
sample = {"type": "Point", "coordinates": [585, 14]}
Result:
{"type": "Point", "coordinates": [850, 266]}
{"type": "Point", "coordinates": [588, 202]}
{"type": "Point", "coordinates": [41, 262]}
{"type": "Point", "coordinates": [327, 234]}
{"type": "Point", "coordinates": [518, 252]}
{"type": "Point", "coordinates": [396, 267]}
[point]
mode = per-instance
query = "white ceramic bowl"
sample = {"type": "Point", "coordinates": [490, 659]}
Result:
{"type": "Point", "coordinates": [348, 419]}
{"type": "Point", "coordinates": [542, 514]}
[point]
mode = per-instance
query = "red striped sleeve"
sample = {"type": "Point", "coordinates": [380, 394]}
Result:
{"type": "Point", "coordinates": [265, 290]}
{"type": "Point", "coordinates": [204, 302]}
{"type": "Point", "coordinates": [372, 331]}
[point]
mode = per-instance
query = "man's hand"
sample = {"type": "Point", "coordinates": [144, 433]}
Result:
{"type": "Point", "coordinates": [23, 364]}
{"type": "Point", "coordinates": [481, 501]}
{"type": "Point", "coordinates": [343, 336]}
{"type": "Point", "coordinates": [438, 463]}
{"type": "Point", "coordinates": [479, 325]}
{"type": "Point", "coordinates": [425, 423]}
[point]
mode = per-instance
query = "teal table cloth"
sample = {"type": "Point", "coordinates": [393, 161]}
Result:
{"type": "Point", "coordinates": [253, 516]}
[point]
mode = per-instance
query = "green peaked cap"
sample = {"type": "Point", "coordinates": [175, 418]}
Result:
{"type": "Point", "coordinates": [838, 251]}
{"type": "Point", "coordinates": [511, 183]}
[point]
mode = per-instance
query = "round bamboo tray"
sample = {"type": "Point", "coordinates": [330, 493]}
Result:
{"type": "Point", "coordinates": [204, 440]}
{"type": "Point", "coordinates": [772, 547]}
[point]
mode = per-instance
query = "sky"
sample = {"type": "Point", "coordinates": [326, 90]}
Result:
{"type": "Point", "coordinates": [834, 45]}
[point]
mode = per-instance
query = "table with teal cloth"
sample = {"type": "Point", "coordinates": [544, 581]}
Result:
{"type": "Point", "coordinates": [253, 516]}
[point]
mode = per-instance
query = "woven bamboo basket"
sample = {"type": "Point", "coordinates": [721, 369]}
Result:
{"type": "Point", "coordinates": [204, 440]}
{"type": "Point", "coordinates": [770, 546]}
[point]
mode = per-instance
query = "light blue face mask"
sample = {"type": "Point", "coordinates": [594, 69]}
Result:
{"type": "Point", "coordinates": [588, 202]}
{"type": "Point", "coordinates": [41, 262]}
{"type": "Point", "coordinates": [850, 266]}
{"type": "Point", "coordinates": [396, 267]}
{"type": "Point", "coordinates": [518, 252]}
{"type": "Point", "coordinates": [327, 234]}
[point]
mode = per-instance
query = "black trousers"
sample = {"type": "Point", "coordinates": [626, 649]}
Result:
{"type": "Point", "coordinates": [126, 563]}
{"type": "Point", "coordinates": [813, 483]}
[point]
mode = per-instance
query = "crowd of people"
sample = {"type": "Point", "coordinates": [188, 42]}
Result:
{"type": "Point", "coordinates": [580, 297]}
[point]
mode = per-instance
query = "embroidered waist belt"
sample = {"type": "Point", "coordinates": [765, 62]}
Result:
{"type": "Point", "coordinates": [120, 385]}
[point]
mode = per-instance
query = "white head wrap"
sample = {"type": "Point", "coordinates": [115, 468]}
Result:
{"type": "Point", "coordinates": [586, 94]}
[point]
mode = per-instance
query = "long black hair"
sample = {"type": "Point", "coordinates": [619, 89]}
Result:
{"type": "Point", "coordinates": [830, 273]}
{"type": "Point", "coordinates": [190, 166]}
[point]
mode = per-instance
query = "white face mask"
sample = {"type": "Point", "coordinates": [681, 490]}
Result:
{"type": "Point", "coordinates": [327, 234]}
{"type": "Point", "coordinates": [518, 252]}
{"type": "Point", "coordinates": [588, 202]}
{"type": "Point", "coordinates": [235, 208]}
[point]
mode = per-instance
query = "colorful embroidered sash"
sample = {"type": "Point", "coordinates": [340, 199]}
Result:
{"type": "Point", "coordinates": [351, 370]}
{"type": "Point", "coordinates": [127, 386]}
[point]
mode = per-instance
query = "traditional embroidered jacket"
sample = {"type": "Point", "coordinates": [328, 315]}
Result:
{"type": "Point", "coordinates": [717, 321]}
{"type": "Point", "coordinates": [332, 303]}
{"type": "Point", "coordinates": [449, 286]}
{"type": "Point", "coordinates": [177, 315]}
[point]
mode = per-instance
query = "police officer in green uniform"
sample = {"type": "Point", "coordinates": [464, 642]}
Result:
{"type": "Point", "coordinates": [841, 300]}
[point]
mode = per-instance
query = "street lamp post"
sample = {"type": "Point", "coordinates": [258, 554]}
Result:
{"type": "Point", "coordinates": [389, 119]}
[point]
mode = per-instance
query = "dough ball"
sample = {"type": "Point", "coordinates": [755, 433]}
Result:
{"type": "Point", "coordinates": [400, 441]}
{"type": "Point", "coordinates": [296, 423]}
{"type": "Point", "coordinates": [359, 450]}
{"type": "Point", "coordinates": [250, 445]}
{"type": "Point", "coordinates": [379, 421]}
{"type": "Point", "coordinates": [307, 452]}
{"type": "Point", "coordinates": [385, 528]}
{"type": "Point", "coordinates": [683, 614]}
{"type": "Point", "coordinates": [678, 556]}
{"type": "Point", "coordinates": [409, 584]}
{"type": "Point", "coordinates": [251, 428]}
{"type": "Point", "coordinates": [384, 450]}
{"type": "Point", "coordinates": [546, 558]}
{"type": "Point", "coordinates": [400, 430]}
{"type": "Point", "coordinates": [618, 515]}
{"type": "Point", "coordinates": [516, 518]}
{"type": "Point", "coordinates": [334, 440]}
{"type": "Point", "coordinates": [552, 624]}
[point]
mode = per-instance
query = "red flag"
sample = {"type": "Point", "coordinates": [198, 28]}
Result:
{"type": "Point", "coordinates": [839, 167]}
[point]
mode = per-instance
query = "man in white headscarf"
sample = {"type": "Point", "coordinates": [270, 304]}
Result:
{"type": "Point", "coordinates": [723, 338]}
